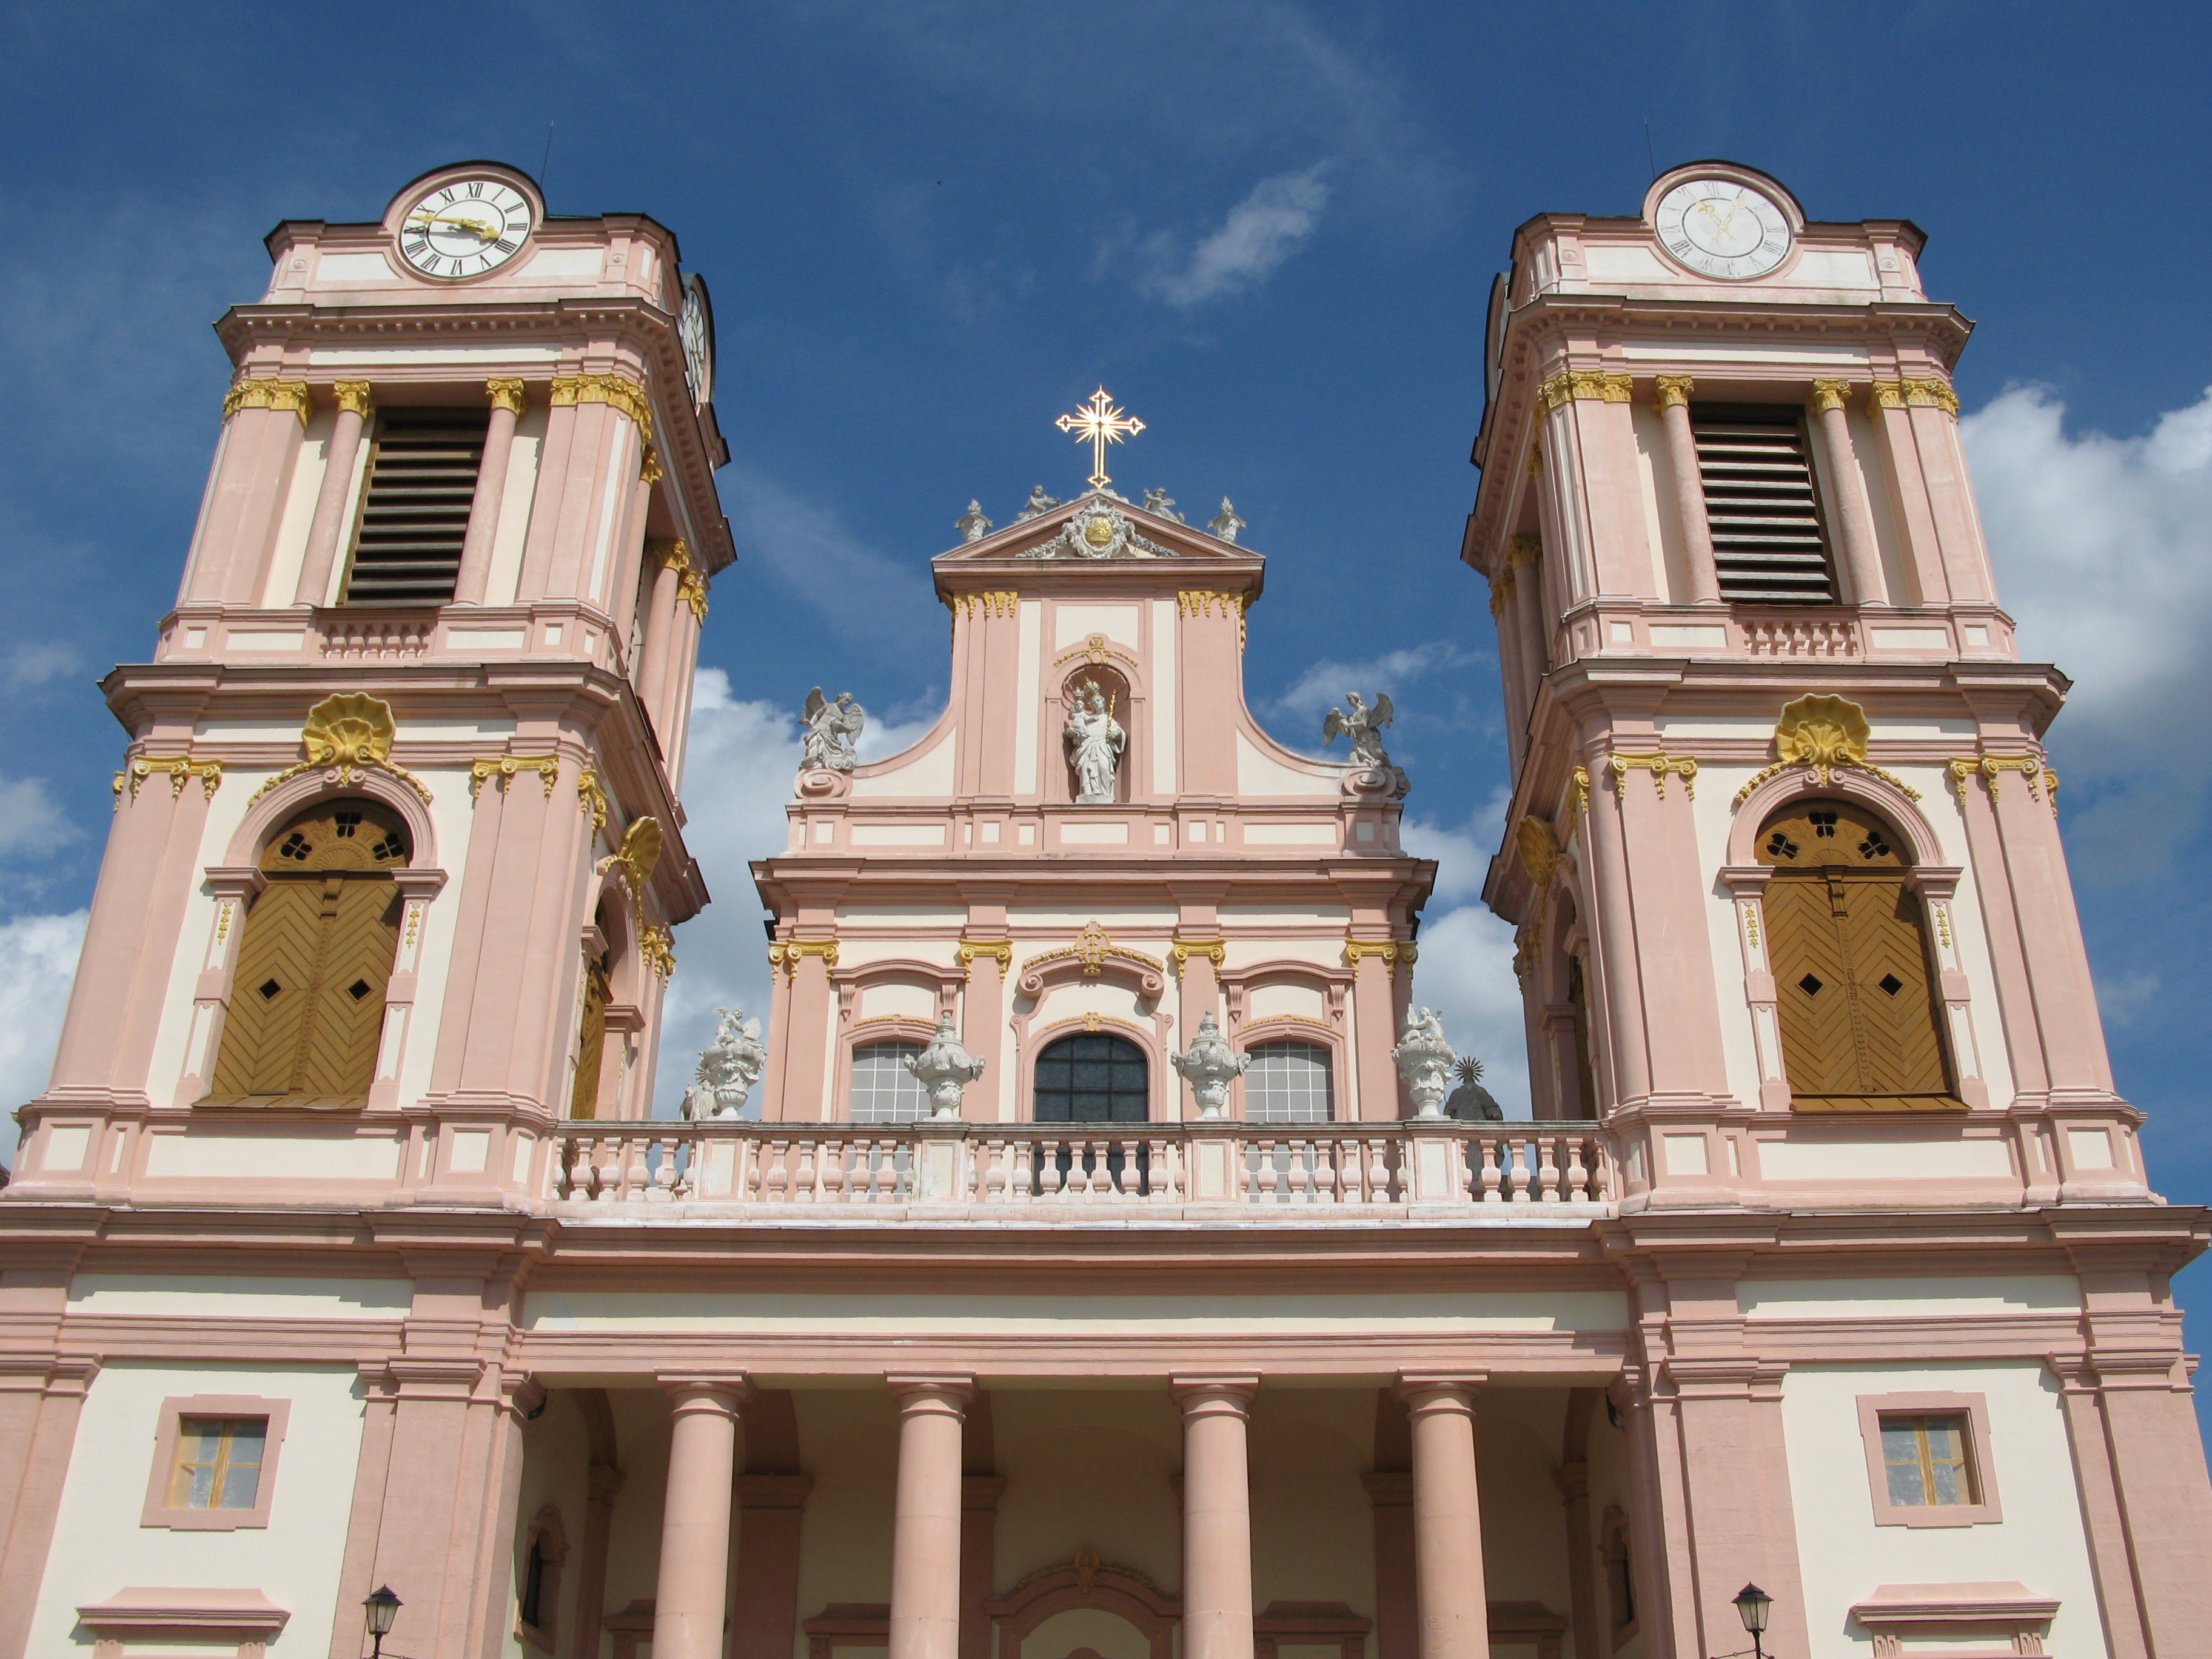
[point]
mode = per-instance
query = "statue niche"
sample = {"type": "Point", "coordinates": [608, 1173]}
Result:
{"type": "Point", "coordinates": [1095, 736]}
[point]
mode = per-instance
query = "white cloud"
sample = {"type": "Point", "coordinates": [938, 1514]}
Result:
{"type": "Point", "coordinates": [29, 665]}
{"type": "Point", "coordinates": [1465, 973]}
{"type": "Point", "coordinates": [1462, 853]}
{"type": "Point", "coordinates": [1313, 692]}
{"type": "Point", "coordinates": [861, 592]}
{"type": "Point", "coordinates": [38, 960]}
{"type": "Point", "coordinates": [30, 823]}
{"type": "Point", "coordinates": [1262, 231]}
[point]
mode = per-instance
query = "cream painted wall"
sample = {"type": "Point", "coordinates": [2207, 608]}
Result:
{"type": "Point", "coordinates": [1259, 773]}
{"type": "Point", "coordinates": [504, 579]}
{"type": "Point", "coordinates": [289, 553]}
{"type": "Point", "coordinates": [1073, 624]}
{"type": "Point", "coordinates": [1092, 1468]}
{"type": "Point", "coordinates": [1313, 1532]}
{"type": "Point", "coordinates": [557, 1455]}
{"type": "Point", "coordinates": [1028, 697]}
{"type": "Point", "coordinates": [848, 1442]}
{"type": "Point", "coordinates": [99, 1546]}
{"type": "Point", "coordinates": [169, 1296]}
{"type": "Point", "coordinates": [915, 1001]}
{"type": "Point", "coordinates": [1166, 780]}
{"type": "Point", "coordinates": [1845, 1556]}
{"type": "Point", "coordinates": [1517, 1440]}
{"type": "Point", "coordinates": [1278, 1002]}
{"type": "Point", "coordinates": [642, 1422]}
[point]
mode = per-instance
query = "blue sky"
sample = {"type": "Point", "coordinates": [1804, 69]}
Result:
{"type": "Point", "coordinates": [1268, 228]}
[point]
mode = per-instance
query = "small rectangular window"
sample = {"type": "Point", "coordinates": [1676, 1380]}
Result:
{"type": "Point", "coordinates": [415, 507]}
{"type": "Point", "coordinates": [1770, 545]}
{"type": "Point", "coordinates": [1927, 1461]}
{"type": "Point", "coordinates": [218, 1463]}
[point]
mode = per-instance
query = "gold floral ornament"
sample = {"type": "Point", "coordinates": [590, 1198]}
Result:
{"type": "Point", "coordinates": [1822, 734]}
{"type": "Point", "coordinates": [345, 735]}
{"type": "Point", "coordinates": [1542, 856]}
{"type": "Point", "coordinates": [639, 852]}
{"type": "Point", "coordinates": [657, 950]}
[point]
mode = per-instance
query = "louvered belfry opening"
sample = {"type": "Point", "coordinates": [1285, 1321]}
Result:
{"type": "Point", "coordinates": [415, 507]}
{"type": "Point", "coordinates": [1769, 543]}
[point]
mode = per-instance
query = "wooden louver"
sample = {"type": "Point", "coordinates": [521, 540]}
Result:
{"type": "Point", "coordinates": [307, 1001]}
{"type": "Point", "coordinates": [1768, 543]}
{"type": "Point", "coordinates": [415, 507]}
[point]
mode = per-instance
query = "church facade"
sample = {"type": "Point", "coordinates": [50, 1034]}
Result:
{"type": "Point", "coordinates": [1091, 1256]}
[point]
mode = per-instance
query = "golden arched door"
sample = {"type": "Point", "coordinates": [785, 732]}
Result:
{"type": "Point", "coordinates": [1861, 1025]}
{"type": "Point", "coordinates": [306, 1001]}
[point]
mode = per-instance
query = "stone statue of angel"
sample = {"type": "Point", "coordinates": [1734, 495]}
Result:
{"type": "Point", "coordinates": [832, 729]}
{"type": "Point", "coordinates": [1096, 741]}
{"type": "Point", "coordinates": [728, 1069]}
{"type": "Point", "coordinates": [973, 525]}
{"type": "Point", "coordinates": [1364, 726]}
{"type": "Point", "coordinates": [1159, 501]}
{"type": "Point", "coordinates": [1038, 502]}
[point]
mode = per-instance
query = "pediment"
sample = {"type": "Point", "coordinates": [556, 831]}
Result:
{"type": "Point", "coordinates": [1099, 527]}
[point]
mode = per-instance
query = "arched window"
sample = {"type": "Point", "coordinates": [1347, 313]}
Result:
{"type": "Point", "coordinates": [1092, 1079]}
{"type": "Point", "coordinates": [1860, 1030]}
{"type": "Point", "coordinates": [883, 1090]}
{"type": "Point", "coordinates": [1620, 1574]}
{"type": "Point", "coordinates": [537, 1597]}
{"type": "Point", "coordinates": [307, 1001]}
{"type": "Point", "coordinates": [1288, 1083]}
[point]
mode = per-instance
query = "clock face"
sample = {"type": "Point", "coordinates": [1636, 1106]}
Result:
{"type": "Point", "coordinates": [1722, 228]}
{"type": "Point", "coordinates": [465, 228]}
{"type": "Point", "coordinates": [698, 346]}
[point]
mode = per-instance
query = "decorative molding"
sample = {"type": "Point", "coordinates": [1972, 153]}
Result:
{"type": "Point", "coordinates": [1684, 766]}
{"type": "Point", "coordinates": [1591, 384]}
{"type": "Point", "coordinates": [1832, 394]}
{"type": "Point", "coordinates": [506, 394]}
{"type": "Point", "coordinates": [1501, 592]}
{"type": "Point", "coordinates": [993, 602]}
{"type": "Point", "coordinates": [1886, 394]}
{"type": "Point", "coordinates": [179, 767]}
{"type": "Point", "coordinates": [1674, 389]}
{"type": "Point", "coordinates": [1581, 783]}
{"type": "Point", "coordinates": [1092, 948]}
{"type": "Point", "coordinates": [785, 953]}
{"type": "Point", "coordinates": [1541, 855]}
{"type": "Point", "coordinates": [1991, 767]}
{"type": "Point", "coordinates": [657, 950]}
{"type": "Point", "coordinates": [1523, 549]}
{"type": "Point", "coordinates": [968, 949]}
{"type": "Point", "coordinates": [590, 797]}
{"type": "Point", "coordinates": [1821, 734]}
{"type": "Point", "coordinates": [692, 588]}
{"type": "Point", "coordinates": [1931, 394]}
{"type": "Point", "coordinates": [639, 852]}
{"type": "Point", "coordinates": [624, 396]}
{"type": "Point", "coordinates": [1094, 651]}
{"type": "Point", "coordinates": [1182, 950]}
{"type": "Point", "coordinates": [355, 397]}
{"type": "Point", "coordinates": [269, 394]}
{"type": "Point", "coordinates": [1389, 951]}
{"type": "Point", "coordinates": [669, 552]}
{"type": "Point", "coordinates": [343, 735]}
{"type": "Point", "coordinates": [1199, 602]}
{"type": "Point", "coordinates": [1528, 951]}
{"type": "Point", "coordinates": [504, 767]}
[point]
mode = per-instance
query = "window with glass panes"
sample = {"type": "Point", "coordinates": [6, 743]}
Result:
{"type": "Point", "coordinates": [883, 1090]}
{"type": "Point", "coordinates": [1928, 1460]}
{"type": "Point", "coordinates": [218, 1462]}
{"type": "Point", "coordinates": [1092, 1079]}
{"type": "Point", "coordinates": [1288, 1083]}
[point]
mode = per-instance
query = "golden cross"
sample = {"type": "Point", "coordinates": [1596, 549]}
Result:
{"type": "Point", "coordinates": [1099, 424]}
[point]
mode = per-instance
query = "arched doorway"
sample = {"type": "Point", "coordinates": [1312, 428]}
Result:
{"type": "Point", "coordinates": [1861, 1030]}
{"type": "Point", "coordinates": [307, 1001]}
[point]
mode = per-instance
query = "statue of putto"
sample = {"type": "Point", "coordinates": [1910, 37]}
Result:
{"type": "Point", "coordinates": [1208, 1065]}
{"type": "Point", "coordinates": [1225, 525]}
{"type": "Point", "coordinates": [727, 1070]}
{"type": "Point", "coordinates": [1094, 741]}
{"type": "Point", "coordinates": [973, 525]}
{"type": "Point", "coordinates": [832, 729]}
{"type": "Point", "coordinates": [1159, 501]}
{"type": "Point", "coordinates": [1363, 727]}
{"type": "Point", "coordinates": [1425, 1060]}
{"type": "Point", "coordinates": [1038, 502]}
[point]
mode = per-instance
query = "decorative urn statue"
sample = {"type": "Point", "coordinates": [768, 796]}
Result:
{"type": "Point", "coordinates": [945, 1068]}
{"type": "Point", "coordinates": [728, 1070]}
{"type": "Point", "coordinates": [1424, 1061]}
{"type": "Point", "coordinates": [1208, 1065]}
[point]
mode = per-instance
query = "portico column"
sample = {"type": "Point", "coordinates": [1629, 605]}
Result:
{"type": "Point", "coordinates": [1689, 488]}
{"type": "Point", "coordinates": [693, 1592]}
{"type": "Point", "coordinates": [1861, 557]}
{"type": "Point", "coordinates": [482, 535]}
{"type": "Point", "coordinates": [1217, 1516]}
{"type": "Point", "coordinates": [327, 528]}
{"type": "Point", "coordinates": [1454, 1605]}
{"type": "Point", "coordinates": [926, 1524]}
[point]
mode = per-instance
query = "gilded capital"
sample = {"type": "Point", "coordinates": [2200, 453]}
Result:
{"type": "Point", "coordinates": [354, 397]}
{"type": "Point", "coordinates": [1674, 389]}
{"type": "Point", "coordinates": [268, 394]}
{"type": "Point", "coordinates": [670, 552]}
{"type": "Point", "coordinates": [1832, 394]}
{"type": "Point", "coordinates": [505, 394]}
{"type": "Point", "coordinates": [1526, 548]}
{"type": "Point", "coordinates": [1501, 591]}
{"type": "Point", "coordinates": [692, 588]}
{"type": "Point", "coordinates": [1886, 394]}
{"type": "Point", "coordinates": [1931, 394]}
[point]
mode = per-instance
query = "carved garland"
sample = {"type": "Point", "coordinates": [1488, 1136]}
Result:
{"type": "Point", "coordinates": [1821, 734]}
{"type": "Point", "coordinates": [504, 767]}
{"type": "Point", "coordinates": [345, 735]}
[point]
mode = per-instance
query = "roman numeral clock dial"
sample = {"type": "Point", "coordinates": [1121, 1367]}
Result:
{"type": "Point", "coordinates": [1719, 228]}
{"type": "Point", "coordinates": [465, 228]}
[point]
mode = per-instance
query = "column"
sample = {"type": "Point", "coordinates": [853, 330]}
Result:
{"type": "Point", "coordinates": [692, 1593]}
{"type": "Point", "coordinates": [1861, 557]}
{"type": "Point", "coordinates": [1455, 1607]}
{"type": "Point", "coordinates": [491, 489]}
{"type": "Point", "coordinates": [926, 1524]}
{"type": "Point", "coordinates": [1689, 488]}
{"type": "Point", "coordinates": [669, 557]}
{"type": "Point", "coordinates": [1217, 1516]}
{"type": "Point", "coordinates": [327, 531]}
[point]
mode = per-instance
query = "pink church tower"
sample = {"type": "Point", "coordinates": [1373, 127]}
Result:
{"type": "Point", "coordinates": [1794, 916]}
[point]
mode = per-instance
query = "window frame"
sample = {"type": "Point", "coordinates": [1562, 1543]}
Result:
{"type": "Point", "coordinates": [168, 1428]}
{"type": "Point", "coordinates": [1974, 1408]}
{"type": "Point", "coordinates": [1272, 1034]}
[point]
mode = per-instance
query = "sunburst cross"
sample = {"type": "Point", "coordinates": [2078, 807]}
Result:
{"type": "Point", "coordinates": [1098, 422]}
